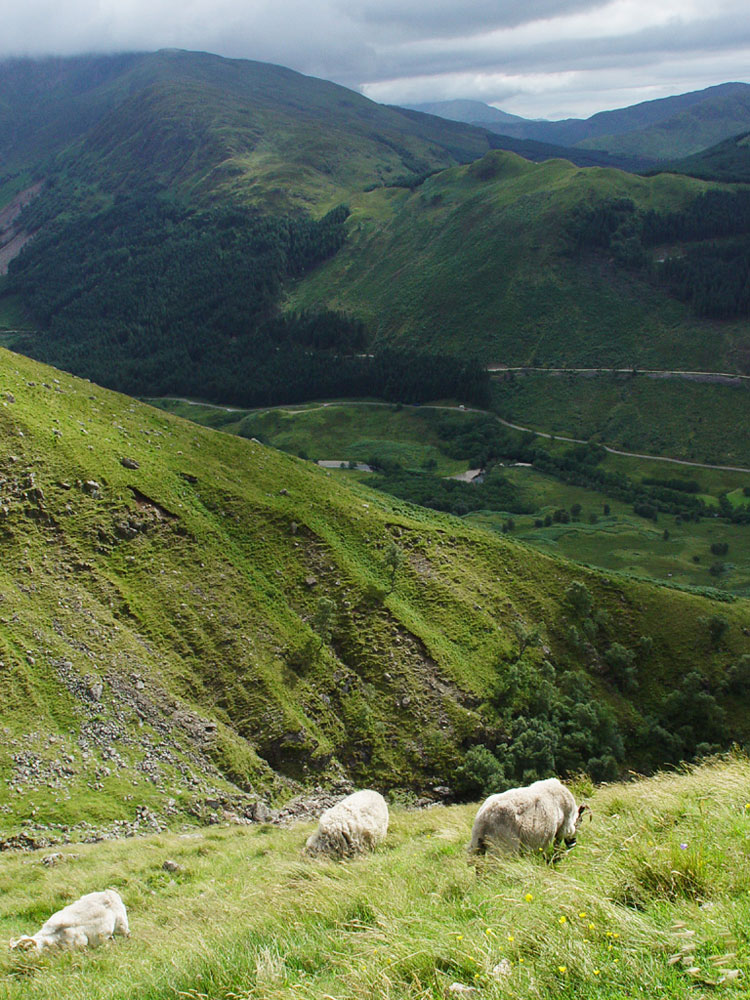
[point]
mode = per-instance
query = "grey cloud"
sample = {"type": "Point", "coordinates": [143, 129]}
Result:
{"type": "Point", "coordinates": [637, 48]}
{"type": "Point", "coordinates": [399, 48]}
{"type": "Point", "coordinates": [444, 18]}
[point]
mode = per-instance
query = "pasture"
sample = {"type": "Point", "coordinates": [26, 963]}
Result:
{"type": "Point", "coordinates": [654, 901]}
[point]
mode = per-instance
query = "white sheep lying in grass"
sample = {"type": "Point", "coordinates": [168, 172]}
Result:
{"type": "Point", "coordinates": [92, 919]}
{"type": "Point", "coordinates": [538, 816]}
{"type": "Point", "coordinates": [357, 823]}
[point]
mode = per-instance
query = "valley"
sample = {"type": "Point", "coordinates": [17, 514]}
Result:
{"type": "Point", "coordinates": [604, 530]}
{"type": "Point", "coordinates": [345, 445]}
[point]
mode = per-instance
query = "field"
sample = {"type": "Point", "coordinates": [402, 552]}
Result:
{"type": "Point", "coordinates": [619, 540]}
{"type": "Point", "coordinates": [329, 431]}
{"type": "Point", "coordinates": [623, 541]}
{"type": "Point", "coordinates": [699, 422]}
{"type": "Point", "coordinates": [654, 901]}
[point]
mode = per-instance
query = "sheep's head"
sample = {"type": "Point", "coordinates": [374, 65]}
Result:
{"type": "Point", "coordinates": [24, 943]}
{"type": "Point", "coordinates": [582, 809]}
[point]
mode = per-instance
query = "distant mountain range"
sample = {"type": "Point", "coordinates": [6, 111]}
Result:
{"type": "Point", "coordinates": [234, 230]}
{"type": "Point", "coordinates": [665, 128]}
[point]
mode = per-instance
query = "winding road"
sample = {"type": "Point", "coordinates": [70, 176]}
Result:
{"type": "Point", "coordinates": [487, 413]}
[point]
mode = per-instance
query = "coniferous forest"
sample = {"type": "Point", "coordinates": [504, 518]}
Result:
{"type": "Point", "coordinates": [159, 299]}
{"type": "Point", "coordinates": [710, 266]}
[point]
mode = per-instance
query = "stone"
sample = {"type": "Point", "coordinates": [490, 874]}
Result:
{"type": "Point", "coordinates": [129, 463]}
{"type": "Point", "coordinates": [260, 812]}
{"type": "Point", "coordinates": [171, 866]}
{"type": "Point", "coordinates": [502, 969]}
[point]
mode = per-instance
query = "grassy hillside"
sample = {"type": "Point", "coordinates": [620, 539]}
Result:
{"type": "Point", "coordinates": [427, 443]}
{"type": "Point", "coordinates": [716, 114]}
{"type": "Point", "coordinates": [680, 419]}
{"type": "Point", "coordinates": [479, 261]}
{"type": "Point", "coordinates": [652, 902]}
{"type": "Point", "coordinates": [727, 161]}
{"type": "Point", "coordinates": [660, 129]}
{"type": "Point", "coordinates": [202, 125]}
{"type": "Point", "coordinates": [225, 618]}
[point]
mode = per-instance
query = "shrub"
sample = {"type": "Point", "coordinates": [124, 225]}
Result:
{"type": "Point", "coordinates": [579, 598]}
{"type": "Point", "coordinates": [480, 774]}
{"type": "Point", "coordinates": [737, 678]}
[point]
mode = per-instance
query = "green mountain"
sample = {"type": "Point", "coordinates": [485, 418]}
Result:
{"type": "Point", "coordinates": [197, 123]}
{"type": "Point", "coordinates": [728, 161]}
{"type": "Point", "coordinates": [660, 129]}
{"type": "Point", "coordinates": [503, 260]}
{"type": "Point", "coordinates": [247, 235]}
{"type": "Point", "coordinates": [189, 617]}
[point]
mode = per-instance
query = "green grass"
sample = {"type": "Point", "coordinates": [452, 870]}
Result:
{"type": "Point", "coordinates": [652, 902]}
{"type": "Point", "coordinates": [349, 431]}
{"type": "Point", "coordinates": [699, 422]}
{"type": "Point", "coordinates": [621, 541]}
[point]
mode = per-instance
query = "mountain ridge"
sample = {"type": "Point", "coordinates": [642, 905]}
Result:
{"type": "Point", "coordinates": [649, 124]}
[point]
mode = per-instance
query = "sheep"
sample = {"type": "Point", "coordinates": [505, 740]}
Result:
{"type": "Point", "coordinates": [538, 816]}
{"type": "Point", "coordinates": [93, 918]}
{"type": "Point", "coordinates": [357, 823]}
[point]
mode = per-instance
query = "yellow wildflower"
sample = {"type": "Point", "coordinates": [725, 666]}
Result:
{"type": "Point", "coordinates": [582, 914]}
{"type": "Point", "coordinates": [596, 972]}
{"type": "Point", "coordinates": [459, 937]}
{"type": "Point", "coordinates": [528, 897]}
{"type": "Point", "coordinates": [511, 938]}
{"type": "Point", "coordinates": [592, 927]}
{"type": "Point", "coordinates": [562, 920]}
{"type": "Point", "coordinates": [562, 968]}
{"type": "Point", "coordinates": [490, 932]}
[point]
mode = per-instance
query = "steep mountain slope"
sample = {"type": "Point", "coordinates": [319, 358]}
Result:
{"type": "Point", "coordinates": [644, 906]}
{"type": "Point", "coordinates": [188, 616]}
{"type": "Point", "coordinates": [482, 260]}
{"type": "Point", "coordinates": [728, 161]}
{"type": "Point", "coordinates": [664, 128]}
{"type": "Point", "coordinates": [197, 123]}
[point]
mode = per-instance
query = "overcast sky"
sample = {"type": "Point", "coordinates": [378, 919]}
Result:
{"type": "Point", "coordinates": [536, 58]}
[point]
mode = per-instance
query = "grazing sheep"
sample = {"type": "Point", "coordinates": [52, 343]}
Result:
{"type": "Point", "coordinates": [92, 919]}
{"type": "Point", "coordinates": [542, 814]}
{"type": "Point", "coordinates": [357, 823]}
